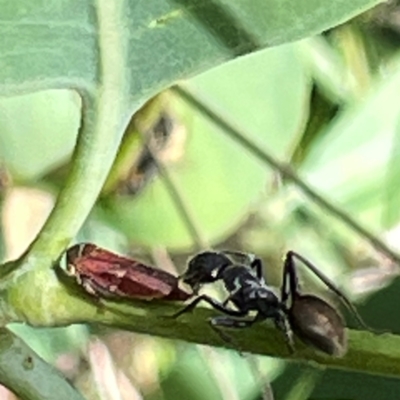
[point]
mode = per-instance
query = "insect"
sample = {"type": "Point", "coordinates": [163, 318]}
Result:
{"type": "Point", "coordinates": [163, 140]}
{"type": "Point", "coordinates": [312, 319]}
{"type": "Point", "coordinates": [105, 274]}
{"type": "Point", "coordinates": [144, 168]}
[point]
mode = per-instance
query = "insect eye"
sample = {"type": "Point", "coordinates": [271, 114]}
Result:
{"type": "Point", "coordinates": [317, 323]}
{"type": "Point", "coordinates": [204, 268]}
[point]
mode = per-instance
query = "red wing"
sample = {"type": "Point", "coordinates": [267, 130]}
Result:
{"type": "Point", "coordinates": [120, 275]}
{"type": "Point", "coordinates": [139, 284]}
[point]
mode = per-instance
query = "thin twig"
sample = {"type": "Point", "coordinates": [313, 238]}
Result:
{"type": "Point", "coordinates": [181, 205]}
{"type": "Point", "coordinates": [215, 363]}
{"type": "Point", "coordinates": [263, 380]}
{"type": "Point", "coordinates": [286, 171]}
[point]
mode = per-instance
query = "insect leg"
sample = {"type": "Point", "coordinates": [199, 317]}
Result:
{"type": "Point", "coordinates": [257, 265]}
{"type": "Point", "coordinates": [227, 322]}
{"type": "Point", "coordinates": [247, 259]}
{"type": "Point", "coordinates": [282, 324]}
{"type": "Point", "coordinates": [213, 303]}
{"type": "Point", "coordinates": [290, 285]}
{"type": "Point", "coordinates": [291, 255]}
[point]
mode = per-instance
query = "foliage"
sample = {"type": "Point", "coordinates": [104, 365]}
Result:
{"type": "Point", "coordinates": [326, 104]}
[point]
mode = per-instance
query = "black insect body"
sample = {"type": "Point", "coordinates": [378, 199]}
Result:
{"type": "Point", "coordinates": [249, 292]}
{"type": "Point", "coordinates": [210, 266]}
{"type": "Point", "coordinates": [312, 319]}
{"type": "Point", "coordinates": [246, 287]}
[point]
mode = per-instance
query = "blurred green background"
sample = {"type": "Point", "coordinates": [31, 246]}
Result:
{"type": "Point", "coordinates": [328, 105]}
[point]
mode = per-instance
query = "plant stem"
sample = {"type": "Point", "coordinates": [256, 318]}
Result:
{"type": "Point", "coordinates": [61, 304]}
{"type": "Point", "coordinates": [105, 114]}
{"type": "Point", "coordinates": [27, 375]}
{"type": "Point", "coordinates": [181, 205]}
{"type": "Point", "coordinates": [367, 352]}
{"type": "Point", "coordinates": [285, 170]}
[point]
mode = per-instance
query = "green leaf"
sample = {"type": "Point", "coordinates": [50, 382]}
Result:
{"type": "Point", "coordinates": [337, 165]}
{"type": "Point", "coordinates": [120, 53]}
{"type": "Point", "coordinates": [218, 180]}
{"type": "Point", "coordinates": [56, 45]}
{"type": "Point", "coordinates": [26, 123]}
{"type": "Point", "coordinates": [47, 46]}
{"type": "Point", "coordinates": [117, 54]}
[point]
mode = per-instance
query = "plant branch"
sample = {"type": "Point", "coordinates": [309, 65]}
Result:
{"type": "Point", "coordinates": [105, 114]}
{"type": "Point", "coordinates": [27, 375]}
{"type": "Point", "coordinates": [62, 302]}
{"type": "Point", "coordinates": [377, 354]}
{"type": "Point", "coordinates": [285, 170]}
{"type": "Point", "coordinates": [181, 205]}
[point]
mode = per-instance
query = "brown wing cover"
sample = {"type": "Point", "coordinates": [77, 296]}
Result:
{"type": "Point", "coordinates": [109, 274]}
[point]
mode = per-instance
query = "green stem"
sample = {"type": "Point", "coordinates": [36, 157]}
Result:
{"type": "Point", "coordinates": [61, 303]}
{"type": "Point", "coordinates": [27, 375]}
{"type": "Point", "coordinates": [286, 171]}
{"type": "Point", "coordinates": [105, 115]}
{"type": "Point", "coordinates": [367, 352]}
